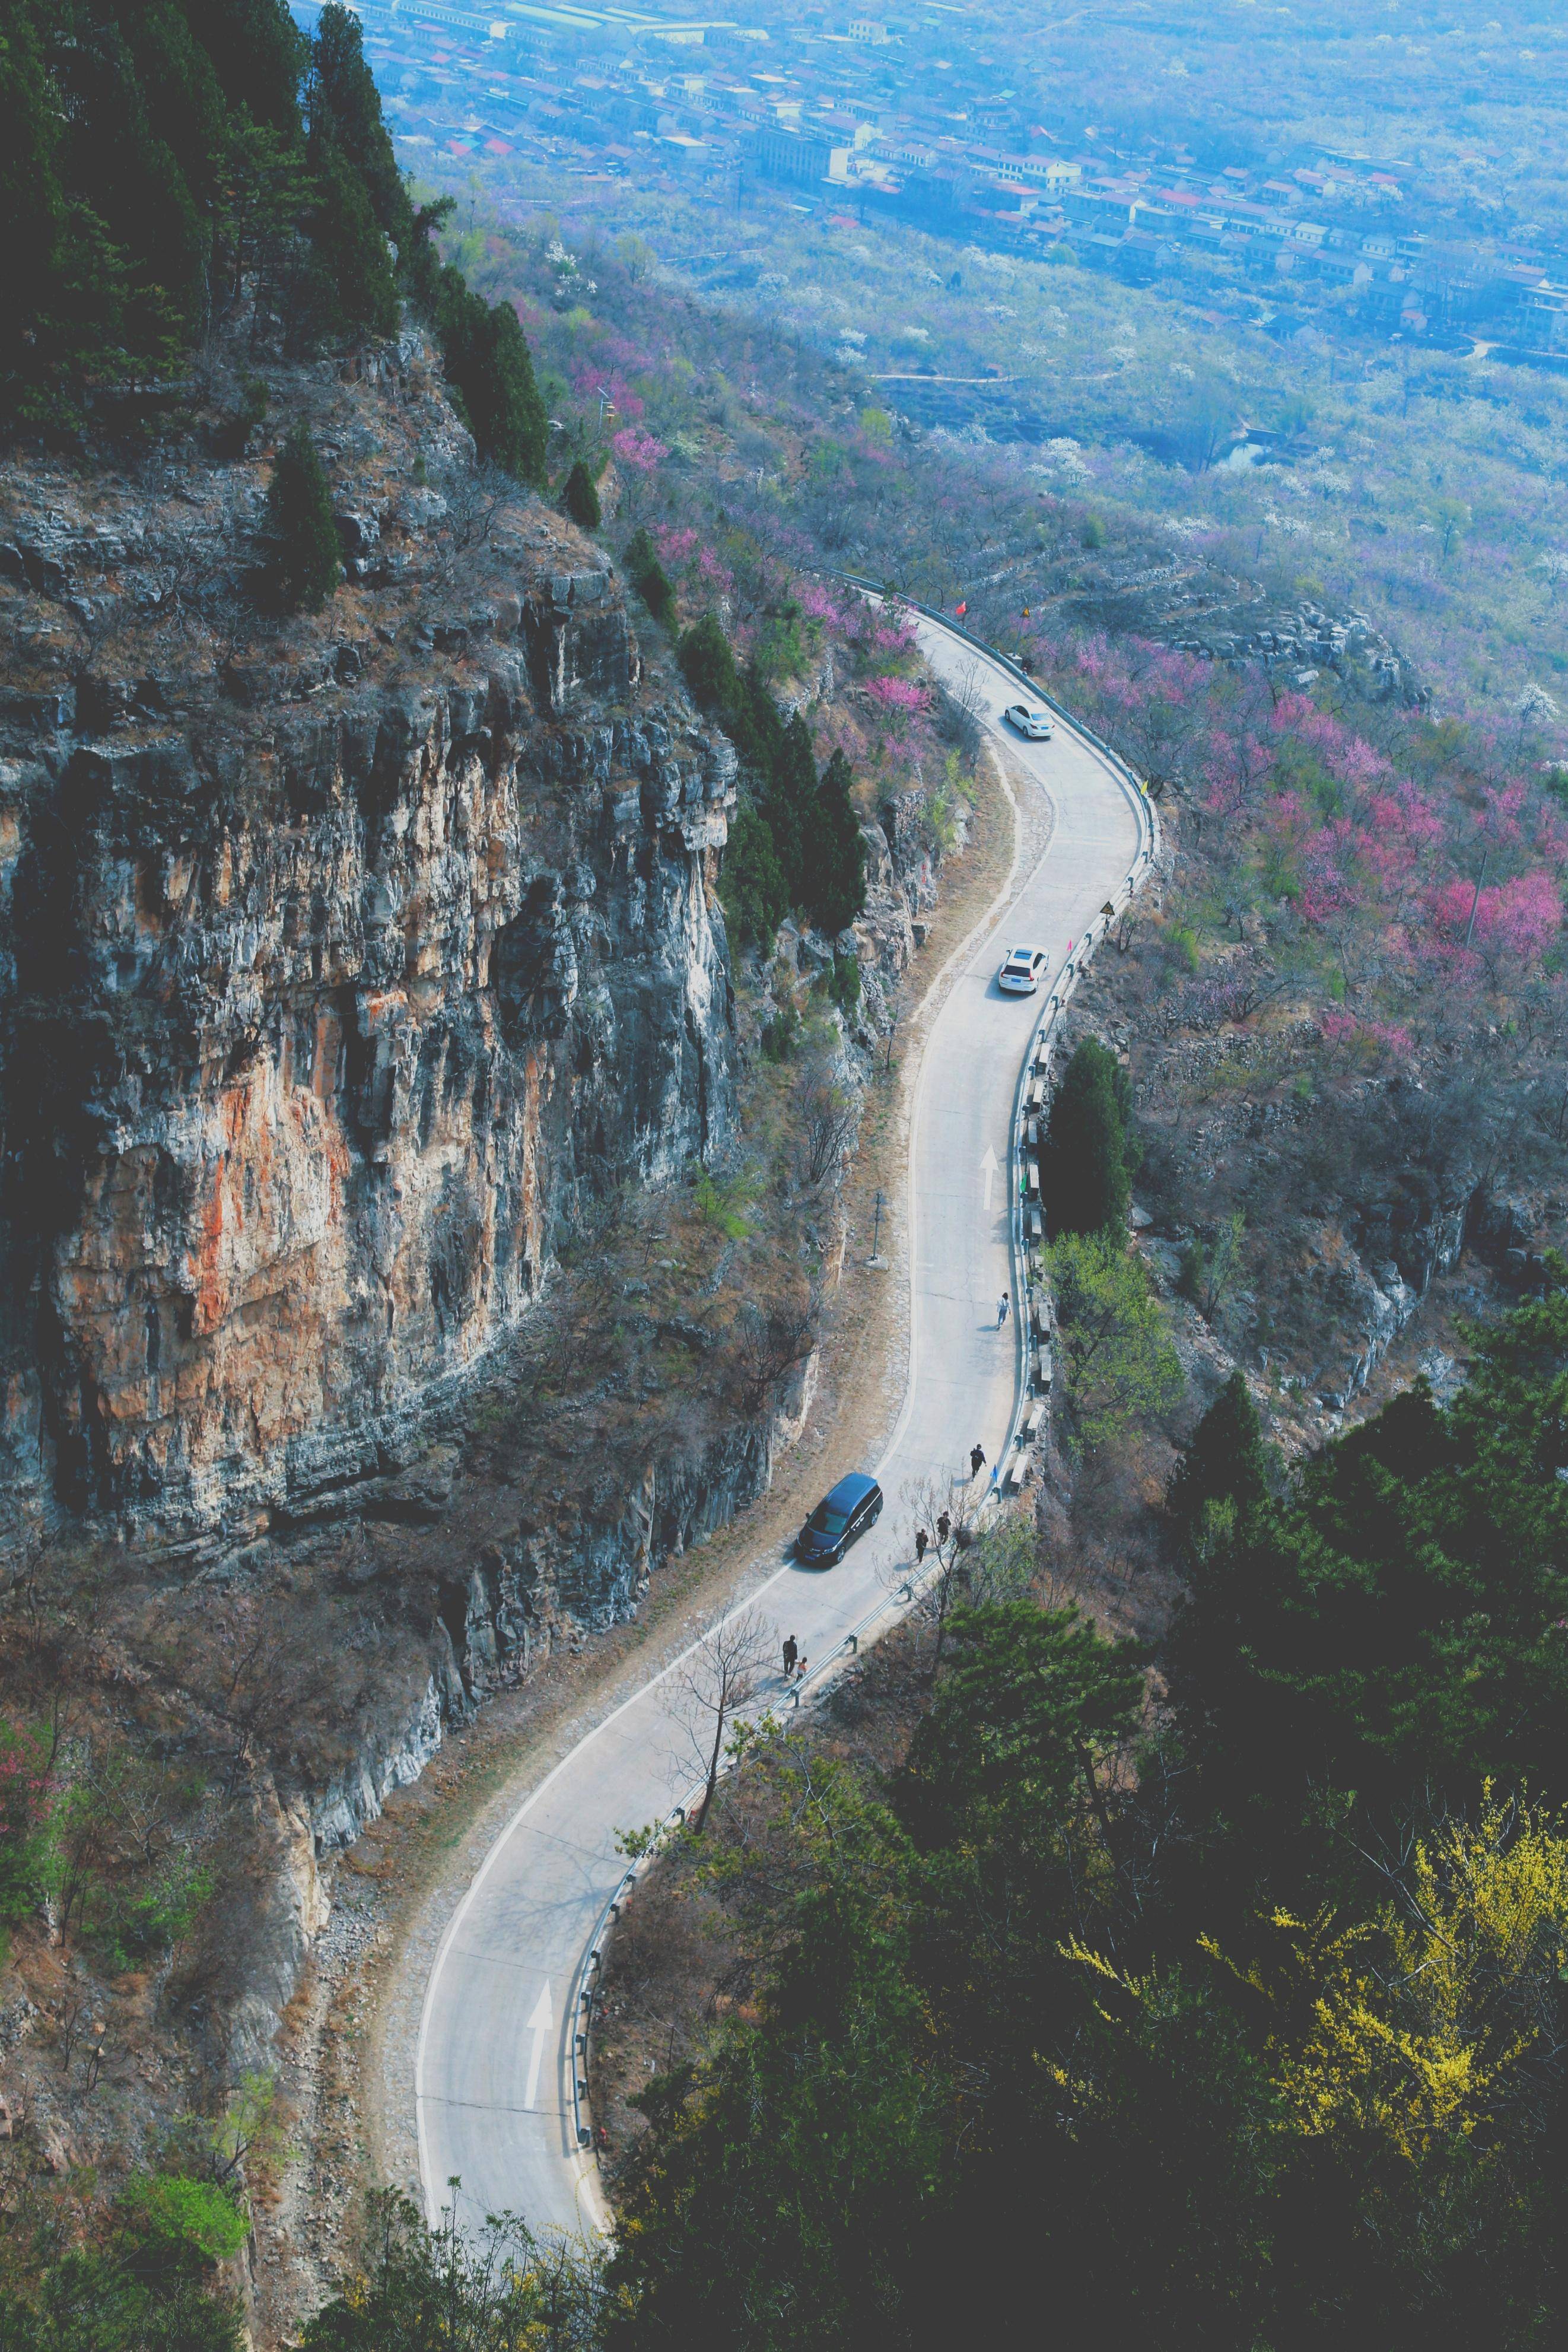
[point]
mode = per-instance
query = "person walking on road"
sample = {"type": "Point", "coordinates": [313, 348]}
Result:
{"type": "Point", "coordinates": [944, 1529]}
{"type": "Point", "coordinates": [1003, 1302]}
{"type": "Point", "coordinates": [921, 1540]}
{"type": "Point", "coordinates": [976, 1459]}
{"type": "Point", "coordinates": [792, 1651]}
{"type": "Point", "coordinates": [800, 1670]}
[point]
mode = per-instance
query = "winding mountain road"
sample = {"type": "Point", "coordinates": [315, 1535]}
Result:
{"type": "Point", "coordinates": [495, 2068]}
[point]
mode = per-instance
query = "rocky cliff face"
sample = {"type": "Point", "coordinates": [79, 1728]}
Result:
{"type": "Point", "coordinates": [331, 978]}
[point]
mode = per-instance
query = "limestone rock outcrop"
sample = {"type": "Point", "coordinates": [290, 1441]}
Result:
{"type": "Point", "coordinates": [329, 979]}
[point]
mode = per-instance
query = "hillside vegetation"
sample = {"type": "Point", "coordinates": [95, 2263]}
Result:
{"type": "Point", "coordinates": [1224, 2011]}
{"type": "Point", "coordinates": [163, 164]}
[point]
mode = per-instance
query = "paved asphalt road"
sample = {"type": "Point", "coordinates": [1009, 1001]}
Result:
{"type": "Point", "coordinates": [493, 2091]}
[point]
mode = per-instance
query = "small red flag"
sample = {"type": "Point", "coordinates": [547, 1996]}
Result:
{"type": "Point", "coordinates": [961, 610]}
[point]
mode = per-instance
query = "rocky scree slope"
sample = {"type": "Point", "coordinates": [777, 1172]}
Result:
{"type": "Point", "coordinates": [338, 962]}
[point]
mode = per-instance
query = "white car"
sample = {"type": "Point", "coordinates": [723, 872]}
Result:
{"type": "Point", "coordinates": [1023, 971]}
{"type": "Point", "coordinates": [1034, 723]}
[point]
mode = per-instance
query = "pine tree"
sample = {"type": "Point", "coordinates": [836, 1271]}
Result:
{"type": "Point", "coordinates": [834, 871]}
{"type": "Point", "coordinates": [154, 157]}
{"type": "Point", "coordinates": [581, 497]}
{"type": "Point", "coordinates": [344, 102]}
{"type": "Point", "coordinates": [751, 886]}
{"type": "Point", "coordinates": [491, 375]}
{"type": "Point", "coordinates": [755, 727]}
{"type": "Point", "coordinates": [648, 577]}
{"type": "Point", "coordinates": [708, 668]}
{"type": "Point", "coordinates": [790, 804]}
{"type": "Point", "coordinates": [1085, 1173]}
{"type": "Point", "coordinates": [260, 57]}
{"type": "Point", "coordinates": [303, 566]}
{"type": "Point", "coordinates": [127, 173]}
{"type": "Point", "coordinates": [1226, 1460]}
{"type": "Point", "coordinates": [352, 291]}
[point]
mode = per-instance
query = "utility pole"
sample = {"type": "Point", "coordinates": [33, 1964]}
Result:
{"type": "Point", "coordinates": [876, 1256]}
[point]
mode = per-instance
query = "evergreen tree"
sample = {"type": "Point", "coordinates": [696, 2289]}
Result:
{"type": "Point", "coordinates": [789, 800]}
{"type": "Point", "coordinates": [1085, 1171]}
{"type": "Point", "coordinates": [491, 375]}
{"type": "Point", "coordinates": [751, 886]}
{"type": "Point", "coordinates": [351, 289]}
{"type": "Point", "coordinates": [708, 668]}
{"type": "Point", "coordinates": [832, 889]}
{"type": "Point", "coordinates": [260, 57]}
{"type": "Point", "coordinates": [127, 173]}
{"type": "Point", "coordinates": [647, 575]}
{"type": "Point", "coordinates": [581, 497]}
{"type": "Point", "coordinates": [344, 103]}
{"type": "Point", "coordinates": [755, 727]}
{"type": "Point", "coordinates": [157, 154]}
{"type": "Point", "coordinates": [303, 566]}
{"type": "Point", "coordinates": [1226, 1460]}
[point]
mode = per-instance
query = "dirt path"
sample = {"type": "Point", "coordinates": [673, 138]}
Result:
{"type": "Point", "coordinates": [347, 2055]}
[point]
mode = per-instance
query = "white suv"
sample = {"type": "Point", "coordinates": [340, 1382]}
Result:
{"type": "Point", "coordinates": [1023, 971]}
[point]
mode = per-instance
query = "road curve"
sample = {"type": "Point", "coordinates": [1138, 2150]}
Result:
{"type": "Point", "coordinates": [493, 2089]}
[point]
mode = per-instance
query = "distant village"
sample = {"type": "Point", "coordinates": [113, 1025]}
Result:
{"type": "Point", "coordinates": [897, 116]}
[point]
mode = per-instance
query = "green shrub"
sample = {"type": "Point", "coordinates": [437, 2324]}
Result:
{"type": "Point", "coordinates": [1209, 1270]}
{"type": "Point", "coordinates": [844, 983]}
{"type": "Point", "coordinates": [782, 1036]}
{"type": "Point", "coordinates": [719, 1203]}
{"type": "Point", "coordinates": [1120, 1365]}
{"type": "Point", "coordinates": [134, 1927]}
{"type": "Point", "coordinates": [23, 1816]}
{"type": "Point", "coordinates": [781, 649]}
{"type": "Point", "coordinates": [167, 2211]}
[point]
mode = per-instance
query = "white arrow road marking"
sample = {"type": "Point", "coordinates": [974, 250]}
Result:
{"type": "Point", "coordinates": [541, 2024]}
{"type": "Point", "coordinates": [989, 1170]}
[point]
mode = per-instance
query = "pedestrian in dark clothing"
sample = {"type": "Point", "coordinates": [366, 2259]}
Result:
{"type": "Point", "coordinates": [944, 1529]}
{"type": "Point", "coordinates": [921, 1540]}
{"type": "Point", "coordinates": [977, 1460]}
{"type": "Point", "coordinates": [792, 1651]}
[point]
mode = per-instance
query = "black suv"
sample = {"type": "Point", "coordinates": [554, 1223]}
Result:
{"type": "Point", "coordinates": [854, 1505]}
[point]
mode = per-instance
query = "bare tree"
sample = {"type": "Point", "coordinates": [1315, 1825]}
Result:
{"type": "Point", "coordinates": [476, 499]}
{"type": "Point", "coordinates": [963, 712]}
{"type": "Point", "coordinates": [946, 1508]}
{"type": "Point", "coordinates": [769, 1343]}
{"type": "Point", "coordinates": [828, 1124]}
{"type": "Point", "coordinates": [717, 1682]}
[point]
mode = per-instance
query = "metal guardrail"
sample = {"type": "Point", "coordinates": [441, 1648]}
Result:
{"type": "Point", "coordinates": [906, 1595]}
{"type": "Point", "coordinates": [1077, 956]}
{"type": "Point", "coordinates": [1144, 808]}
